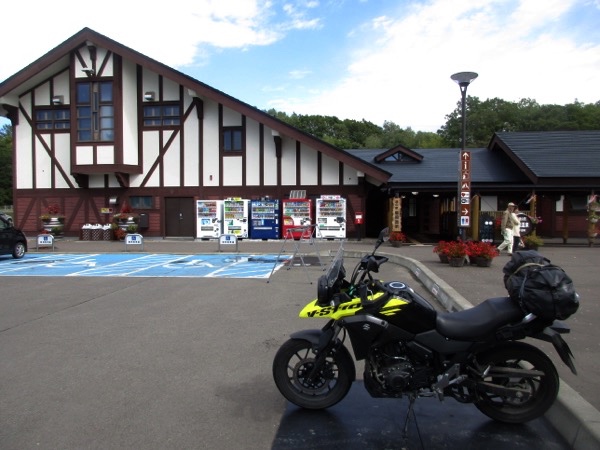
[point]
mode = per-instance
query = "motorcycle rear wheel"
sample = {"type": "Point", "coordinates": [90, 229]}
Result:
{"type": "Point", "coordinates": [294, 362]}
{"type": "Point", "coordinates": [542, 390]}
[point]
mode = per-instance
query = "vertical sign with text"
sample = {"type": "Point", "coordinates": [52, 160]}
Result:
{"type": "Point", "coordinates": [464, 188]}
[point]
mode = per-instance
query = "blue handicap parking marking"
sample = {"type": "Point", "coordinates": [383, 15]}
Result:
{"type": "Point", "coordinates": [142, 265]}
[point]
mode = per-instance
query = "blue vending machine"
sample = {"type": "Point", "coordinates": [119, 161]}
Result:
{"type": "Point", "coordinates": [264, 219]}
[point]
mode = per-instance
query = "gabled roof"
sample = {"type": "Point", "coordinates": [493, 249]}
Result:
{"type": "Point", "coordinates": [553, 156]}
{"type": "Point", "coordinates": [558, 160]}
{"type": "Point", "coordinates": [399, 153]}
{"type": "Point", "coordinates": [438, 168]}
{"type": "Point", "coordinates": [58, 59]}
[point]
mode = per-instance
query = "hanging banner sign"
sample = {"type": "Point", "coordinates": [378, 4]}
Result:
{"type": "Point", "coordinates": [465, 190]}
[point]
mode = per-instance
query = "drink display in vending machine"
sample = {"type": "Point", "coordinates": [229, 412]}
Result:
{"type": "Point", "coordinates": [209, 218]}
{"type": "Point", "coordinates": [297, 212]}
{"type": "Point", "coordinates": [264, 219]}
{"type": "Point", "coordinates": [331, 217]}
{"type": "Point", "coordinates": [235, 217]}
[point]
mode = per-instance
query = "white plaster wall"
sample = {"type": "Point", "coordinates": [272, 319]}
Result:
{"type": "Point", "coordinates": [232, 171]}
{"type": "Point", "coordinates": [309, 165]}
{"type": "Point", "coordinates": [330, 170]}
{"type": "Point", "coordinates": [288, 162]}
{"type": "Point", "coordinates": [350, 175]}
{"type": "Point", "coordinates": [61, 86]}
{"type": "Point", "coordinates": [252, 153]}
{"type": "Point", "coordinates": [270, 160]}
{"type": "Point", "coordinates": [42, 94]}
{"type": "Point", "coordinates": [130, 114]}
{"type": "Point", "coordinates": [191, 145]}
{"type": "Point", "coordinates": [210, 160]}
{"type": "Point", "coordinates": [84, 154]}
{"type": "Point", "coordinates": [150, 82]}
{"type": "Point", "coordinates": [231, 118]}
{"type": "Point", "coordinates": [172, 160]}
{"type": "Point", "coordinates": [62, 152]}
{"type": "Point", "coordinates": [109, 69]}
{"type": "Point", "coordinates": [43, 168]}
{"type": "Point", "coordinates": [105, 154]}
{"type": "Point", "coordinates": [24, 159]}
{"type": "Point", "coordinates": [170, 90]}
{"type": "Point", "coordinates": [150, 145]}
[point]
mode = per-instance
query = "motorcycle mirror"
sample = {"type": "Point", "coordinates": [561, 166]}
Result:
{"type": "Point", "coordinates": [384, 235]}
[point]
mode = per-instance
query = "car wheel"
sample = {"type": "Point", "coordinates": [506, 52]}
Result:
{"type": "Point", "coordinates": [18, 250]}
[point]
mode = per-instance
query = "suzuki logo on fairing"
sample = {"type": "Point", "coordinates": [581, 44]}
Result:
{"type": "Point", "coordinates": [366, 327]}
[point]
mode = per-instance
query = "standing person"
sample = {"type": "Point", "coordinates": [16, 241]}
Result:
{"type": "Point", "coordinates": [516, 230]}
{"type": "Point", "coordinates": [507, 225]}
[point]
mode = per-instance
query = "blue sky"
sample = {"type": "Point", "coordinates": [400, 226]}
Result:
{"type": "Point", "coordinates": [376, 60]}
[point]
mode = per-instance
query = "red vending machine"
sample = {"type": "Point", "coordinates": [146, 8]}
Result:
{"type": "Point", "coordinates": [296, 212]}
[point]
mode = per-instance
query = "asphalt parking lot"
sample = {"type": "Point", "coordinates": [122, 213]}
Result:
{"type": "Point", "coordinates": [119, 362]}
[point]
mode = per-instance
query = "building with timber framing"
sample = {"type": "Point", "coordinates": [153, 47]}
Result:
{"type": "Point", "coordinates": [98, 126]}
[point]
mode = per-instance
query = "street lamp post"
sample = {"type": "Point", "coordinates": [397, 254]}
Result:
{"type": "Point", "coordinates": [463, 79]}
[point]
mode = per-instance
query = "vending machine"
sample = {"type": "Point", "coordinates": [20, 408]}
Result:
{"type": "Point", "coordinates": [331, 217]}
{"type": "Point", "coordinates": [235, 217]}
{"type": "Point", "coordinates": [209, 218]}
{"type": "Point", "coordinates": [264, 219]}
{"type": "Point", "coordinates": [296, 212]}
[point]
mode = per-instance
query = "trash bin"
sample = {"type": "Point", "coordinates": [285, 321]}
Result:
{"type": "Point", "coordinates": [144, 221]}
{"type": "Point", "coordinates": [486, 229]}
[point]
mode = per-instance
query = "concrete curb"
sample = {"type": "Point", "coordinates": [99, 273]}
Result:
{"type": "Point", "coordinates": [574, 418]}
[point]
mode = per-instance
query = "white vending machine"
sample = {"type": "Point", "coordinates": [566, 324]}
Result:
{"type": "Point", "coordinates": [235, 217]}
{"type": "Point", "coordinates": [209, 218]}
{"type": "Point", "coordinates": [331, 217]}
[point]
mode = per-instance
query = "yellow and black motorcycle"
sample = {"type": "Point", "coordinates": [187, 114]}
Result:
{"type": "Point", "coordinates": [473, 356]}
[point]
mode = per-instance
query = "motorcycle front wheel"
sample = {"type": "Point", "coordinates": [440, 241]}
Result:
{"type": "Point", "coordinates": [293, 374]}
{"type": "Point", "coordinates": [540, 390]}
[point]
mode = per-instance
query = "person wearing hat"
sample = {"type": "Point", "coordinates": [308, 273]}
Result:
{"type": "Point", "coordinates": [509, 221]}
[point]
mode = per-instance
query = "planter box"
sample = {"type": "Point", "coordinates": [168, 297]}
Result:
{"type": "Point", "coordinates": [86, 234]}
{"type": "Point", "coordinates": [107, 235]}
{"type": "Point", "coordinates": [96, 235]}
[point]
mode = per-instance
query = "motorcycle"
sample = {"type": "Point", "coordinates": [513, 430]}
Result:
{"type": "Point", "coordinates": [474, 356]}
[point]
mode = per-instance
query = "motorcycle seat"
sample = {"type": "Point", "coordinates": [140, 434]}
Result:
{"type": "Point", "coordinates": [479, 321]}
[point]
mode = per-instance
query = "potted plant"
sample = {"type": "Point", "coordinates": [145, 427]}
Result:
{"type": "Point", "coordinates": [52, 220]}
{"type": "Point", "coordinates": [397, 238]}
{"type": "Point", "coordinates": [125, 217]}
{"type": "Point", "coordinates": [532, 241]}
{"type": "Point", "coordinates": [442, 251]}
{"type": "Point", "coordinates": [457, 253]}
{"type": "Point", "coordinates": [119, 234]}
{"type": "Point", "coordinates": [481, 253]}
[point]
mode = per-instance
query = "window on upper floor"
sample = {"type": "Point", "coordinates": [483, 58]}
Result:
{"type": "Point", "coordinates": [233, 139]}
{"type": "Point", "coordinates": [95, 111]}
{"type": "Point", "coordinates": [162, 115]}
{"type": "Point", "coordinates": [53, 119]}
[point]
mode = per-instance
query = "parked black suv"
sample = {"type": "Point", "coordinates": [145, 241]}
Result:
{"type": "Point", "coordinates": [12, 241]}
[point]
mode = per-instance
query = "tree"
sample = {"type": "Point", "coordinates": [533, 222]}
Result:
{"type": "Point", "coordinates": [6, 197]}
{"type": "Point", "coordinates": [484, 118]}
{"type": "Point", "coordinates": [354, 134]}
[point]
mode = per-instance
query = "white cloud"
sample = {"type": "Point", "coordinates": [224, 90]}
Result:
{"type": "Point", "coordinates": [399, 61]}
{"type": "Point", "coordinates": [184, 33]}
{"type": "Point", "coordinates": [405, 76]}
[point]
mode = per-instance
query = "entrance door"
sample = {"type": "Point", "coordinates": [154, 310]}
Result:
{"type": "Point", "coordinates": [179, 217]}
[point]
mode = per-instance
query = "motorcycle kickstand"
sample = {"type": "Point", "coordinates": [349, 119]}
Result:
{"type": "Point", "coordinates": [411, 404]}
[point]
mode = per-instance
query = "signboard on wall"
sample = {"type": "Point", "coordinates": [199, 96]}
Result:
{"type": "Point", "coordinates": [396, 214]}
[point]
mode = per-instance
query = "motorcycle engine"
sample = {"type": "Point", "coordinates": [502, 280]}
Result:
{"type": "Point", "coordinates": [398, 375]}
{"type": "Point", "coordinates": [389, 371]}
